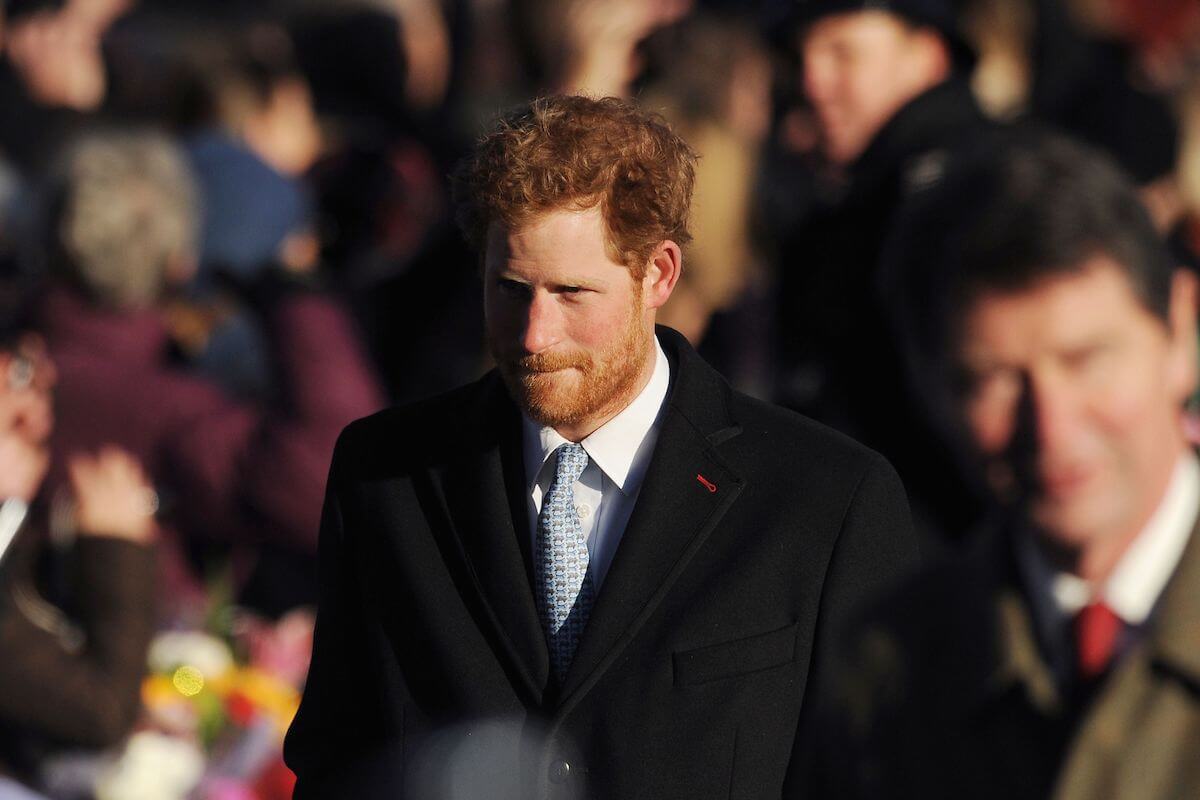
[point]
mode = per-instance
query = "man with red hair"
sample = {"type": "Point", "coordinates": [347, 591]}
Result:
{"type": "Point", "coordinates": [598, 571]}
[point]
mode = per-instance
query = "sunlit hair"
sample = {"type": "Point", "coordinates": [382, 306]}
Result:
{"type": "Point", "coordinates": [574, 153]}
{"type": "Point", "coordinates": [123, 205]}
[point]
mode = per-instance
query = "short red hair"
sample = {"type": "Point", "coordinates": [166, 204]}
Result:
{"type": "Point", "coordinates": [573, 153]}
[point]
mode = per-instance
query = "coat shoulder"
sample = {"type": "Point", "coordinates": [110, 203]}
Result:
{"type": "Point", "coordinates": [823, 479]}
{"type": "Point", "coordinates": [417, 434]}
{"type": "Point", "coordinates": [800, 445]}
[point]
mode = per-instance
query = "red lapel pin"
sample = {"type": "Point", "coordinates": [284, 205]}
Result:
{"type": "Point", "coordinates": [706, 483]}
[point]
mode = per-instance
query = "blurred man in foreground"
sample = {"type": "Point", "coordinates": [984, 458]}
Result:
{"type": "Point", "coordinates": [597, 572]}
{"type": "Point", "coordinates": [1060, 657]}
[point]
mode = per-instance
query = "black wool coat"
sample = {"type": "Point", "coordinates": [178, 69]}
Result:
{"type": "Point", "coordinates": [755, 532]}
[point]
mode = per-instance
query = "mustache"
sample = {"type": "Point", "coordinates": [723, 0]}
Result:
{"type": "Point", "coordinates": [551, 362]}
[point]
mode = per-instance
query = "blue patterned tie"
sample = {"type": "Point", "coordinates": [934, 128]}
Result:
{"type": "Point", "coordinates": [564, 596]}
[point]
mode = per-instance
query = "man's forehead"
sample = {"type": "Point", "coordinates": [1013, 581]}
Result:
{"type": "Point", "coordinates": [582, 218]}
{"type": "Point", "coordinates": [1098, 275]}
{"type": "Point", "coordinates": [1063, 305]}
{"type": "Point", "coordinates": [850, 23]}
{"type": "Point", "coordinates": [555, 234]}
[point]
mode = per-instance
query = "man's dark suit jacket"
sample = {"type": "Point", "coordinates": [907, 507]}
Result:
{"type": "Point", "coordinates": [946, 693]}
{"type": "Point", "coordinates": [754, 531]}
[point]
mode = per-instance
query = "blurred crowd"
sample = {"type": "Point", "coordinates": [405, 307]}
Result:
{"type": "Point", "coordinates": [225, 232]}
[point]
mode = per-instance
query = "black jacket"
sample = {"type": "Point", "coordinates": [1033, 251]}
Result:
{"type": "Point", "coordinates": [701, 656]}
{"type": "Point", "coordinates": [841, 360]}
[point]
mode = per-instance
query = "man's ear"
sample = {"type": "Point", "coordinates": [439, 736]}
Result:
{"type": "Point", "coordinates": [662, 272]}
{"type": "Point", "coordinates": [1183, 332]}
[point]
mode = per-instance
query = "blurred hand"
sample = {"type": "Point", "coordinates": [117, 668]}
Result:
{"type": "Point", "coordinates": [608, 23]}
{"type": "Point", "coordinates": [112, 496]}
{"type": "Point", "coordinates": [58, 57]}
{"type": "Point", "coordinates": [602, 37]}
{"type": "Point", "coordinates": [300, 252]}
{"type": "Point", "coordinates": [23, 464]}
{"type": "Point", "coordinates": [427, 49]}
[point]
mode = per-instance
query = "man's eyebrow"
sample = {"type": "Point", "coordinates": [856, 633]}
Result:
{"type": "Point", "coordinates": [559, 283]}
{"type": "Point", "coordinates": [583, 283]}
{"type": "Point", "coordinates": [976, 361]}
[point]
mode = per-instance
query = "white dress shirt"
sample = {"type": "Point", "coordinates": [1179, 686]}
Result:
{"type": "Point", "coordinates": [618, 453]}
{"type": "Point", "coordinates": [12, 515]}
{"type": "Point", "coordinates": [1137, 581]}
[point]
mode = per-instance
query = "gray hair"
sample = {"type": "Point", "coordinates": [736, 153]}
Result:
{"type": "Point", "coordinates": [125, 207]}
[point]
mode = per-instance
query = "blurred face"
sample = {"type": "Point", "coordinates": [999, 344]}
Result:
{"type": "Point", "coordinates": [569, 327]}
{"type": "Point", "coordinates": [1074, 397]}
{"type": "Point", "coordinates": [27, 376]}
{"type": "Point", "coordinates": [860, 68]}
{"type": "Point", "coordinates": [26, 419]}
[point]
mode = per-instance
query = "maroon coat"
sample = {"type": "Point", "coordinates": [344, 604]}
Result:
{"type": "Point", "coordinates": [226, 469]}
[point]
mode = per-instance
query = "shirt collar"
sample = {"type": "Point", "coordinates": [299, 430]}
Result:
{"type": "Point", "coordinates": [615, 445]}
{"type": "Point", "coordinates": [1144, 569]}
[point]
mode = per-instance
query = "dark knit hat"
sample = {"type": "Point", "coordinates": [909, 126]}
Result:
{"type": "Point", "coordinates": [941, 15]}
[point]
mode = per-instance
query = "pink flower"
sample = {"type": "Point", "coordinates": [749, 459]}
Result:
{"type": "Point", "coordinates": [282, 649]}
{"type": "Point", "coordinates": [226, 789]}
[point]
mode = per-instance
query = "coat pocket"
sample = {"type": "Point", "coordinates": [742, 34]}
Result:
{"type": "Point", "coordinates": [738, 657]}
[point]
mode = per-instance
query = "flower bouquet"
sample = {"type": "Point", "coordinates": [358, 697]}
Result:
{"type": "Point", "coordinates": [217, 708]}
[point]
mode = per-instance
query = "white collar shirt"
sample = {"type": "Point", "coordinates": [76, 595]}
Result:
{"type": "Point", "coordinates": [13, 511]}
{"type": "Point", "coordinates": [618, 453]}
{"type": "Point", "coordinates": [1135, 584]}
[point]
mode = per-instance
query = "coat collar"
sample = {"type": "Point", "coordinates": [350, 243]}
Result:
{"type": "Point", "coordinates": [1174, 636]}
{"type": "Point", "coordinates": [686, 491]}
{"type": "Point", "coordinates": [928, 122]}
{"type": "Point", "coordinates": [997, 650]}
{"type": "Point", "coordinates": [1015, 657]}
{"type": "Point", "coordinates": [483, 488]}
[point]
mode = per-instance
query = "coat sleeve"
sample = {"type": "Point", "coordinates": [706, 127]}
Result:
{"type": "Point", "coordinates": [343, 735]}
{"type": "Point", "coordinates": [875, 548]}
{"type": "Point", "coordinates": [87, 696]}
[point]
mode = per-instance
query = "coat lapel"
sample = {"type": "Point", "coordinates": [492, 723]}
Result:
{"type": "Point", "coordinates": [1134, 721]}
{"type": "Point", "coordinates": [484, 497]}
{"type": "Point", "coordinates": [1006, 655]}
{"type": "Point", "coordinates": [998, 684]}
{"type": "Point", "coordinates": [1175, 640]}
{"type": "Point", "coordinates": [686, 491]}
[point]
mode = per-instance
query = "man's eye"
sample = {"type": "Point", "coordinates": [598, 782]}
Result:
{"type": "Point", "coordinates": [572, 289]}
{"type": "Point", "coordinates": [998, 386]}
{"type": "Point", "coordinates": [1088, 358]}
{"type": "Point", "coordinates": [513, 288]}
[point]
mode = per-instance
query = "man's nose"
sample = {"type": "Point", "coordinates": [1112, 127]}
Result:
{"type": "Point", "coordinates": [1049, 416]}
{"type": "Point", "coordinates": [542, 323]}
{"type": "Point", "coordinates": [817, 78]}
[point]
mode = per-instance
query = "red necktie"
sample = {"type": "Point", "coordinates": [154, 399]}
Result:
{"type": "Point", "coordinates": [1096, 632]}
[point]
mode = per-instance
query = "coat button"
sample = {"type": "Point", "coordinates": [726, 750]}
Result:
{"type": "Point", "coordinates": [560, 771]}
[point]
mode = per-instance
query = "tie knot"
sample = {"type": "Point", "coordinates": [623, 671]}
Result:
{"type": "Point", "coordinates": [572, 461]}
{"type": "Point", "coordinates": [1097, 628]}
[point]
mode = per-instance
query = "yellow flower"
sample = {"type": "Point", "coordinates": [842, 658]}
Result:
{"type": "Point", "coordinates": [158, 691]}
